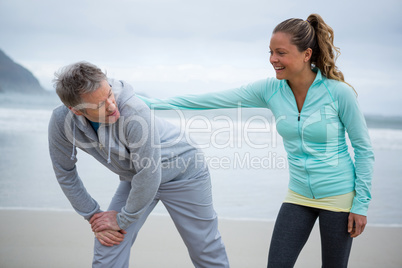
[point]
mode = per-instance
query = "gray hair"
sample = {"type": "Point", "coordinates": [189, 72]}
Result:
{"type": "Point", "coordinates": [76, 79]}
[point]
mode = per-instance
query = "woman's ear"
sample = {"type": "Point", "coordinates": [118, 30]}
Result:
{"type": "Point", "coordinates": [307, 54]}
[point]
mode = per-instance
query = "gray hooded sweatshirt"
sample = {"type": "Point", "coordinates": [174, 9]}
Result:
{"type": "Point", "coordinates": [139, 147]}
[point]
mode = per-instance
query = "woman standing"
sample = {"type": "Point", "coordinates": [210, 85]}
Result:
{"type": "Point", "coordinates": [314, 107]}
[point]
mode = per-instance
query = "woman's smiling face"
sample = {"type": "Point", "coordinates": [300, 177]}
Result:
{"type": "Point", "coordinates": [288, 62]}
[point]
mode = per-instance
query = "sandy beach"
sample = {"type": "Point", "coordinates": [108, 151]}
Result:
{"type": "Point", "coordinates": [64, 239]}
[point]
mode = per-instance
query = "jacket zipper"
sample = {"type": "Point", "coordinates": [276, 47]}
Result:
{"type": "Point", "coordinates": [301, 143]}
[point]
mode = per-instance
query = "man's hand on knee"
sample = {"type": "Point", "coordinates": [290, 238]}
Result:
{"type": "Point", "coordinates": [104, 221]}
{"type": "Point", "coordinates": [110, 237]}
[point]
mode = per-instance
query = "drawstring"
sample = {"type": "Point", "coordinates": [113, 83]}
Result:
{"type": "Point", "coordinates": [72, 154]}
{"type": "Point", "coordinates": [110, 142]}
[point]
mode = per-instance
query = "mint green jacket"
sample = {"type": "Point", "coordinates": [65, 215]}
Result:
{"type": "Point", "coordinates": [314, 139]}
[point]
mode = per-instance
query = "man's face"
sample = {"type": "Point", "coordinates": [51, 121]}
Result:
{"type": "Point", "coordinates": [100, 105]}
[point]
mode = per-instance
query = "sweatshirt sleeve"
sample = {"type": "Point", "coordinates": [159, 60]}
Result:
{"type": "Point", "coordinates": [61, 151]}
{"type": "Point", "coordinates": [355, 124]}
{"type": "Point", "coordinates": [145, 154]}
{"type": "Point", "coordinates": [253, 95]}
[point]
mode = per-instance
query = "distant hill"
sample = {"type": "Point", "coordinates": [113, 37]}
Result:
{"type": "Point", "coordinates": [15, 78]}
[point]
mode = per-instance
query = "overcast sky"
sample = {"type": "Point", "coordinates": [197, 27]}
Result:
{"type": "Point", "coordinates": [166, 48]}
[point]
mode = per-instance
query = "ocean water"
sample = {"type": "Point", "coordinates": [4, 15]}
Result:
{"type": "Point", "coordinates": [249, 168]}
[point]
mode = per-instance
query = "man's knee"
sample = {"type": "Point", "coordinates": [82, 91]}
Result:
{"type": "Point", "coordinates": [114, 256]}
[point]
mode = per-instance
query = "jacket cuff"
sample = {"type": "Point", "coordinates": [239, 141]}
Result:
{"type": "Point", "coordinates": [124, 219]}
{"type": "Point", "coordinates": [359, 207]}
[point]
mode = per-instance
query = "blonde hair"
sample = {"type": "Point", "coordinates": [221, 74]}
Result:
{"type": "Point", "coordinates": [314, 33]}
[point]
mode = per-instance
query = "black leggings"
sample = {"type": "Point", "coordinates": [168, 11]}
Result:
{"type": "Point", "coordinates": [293, 227]}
